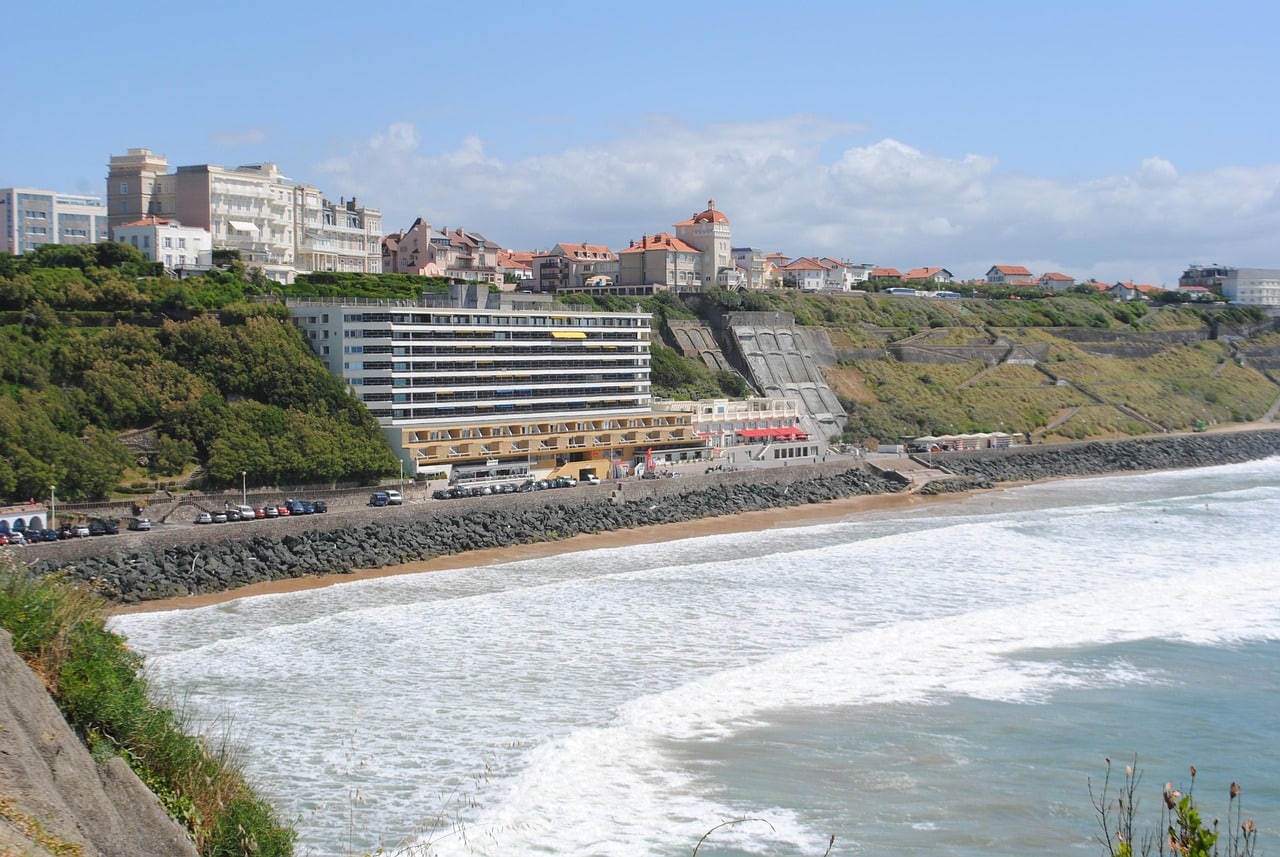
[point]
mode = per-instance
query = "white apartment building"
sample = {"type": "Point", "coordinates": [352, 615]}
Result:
{"type": "Point", "coordinates": [30, 217]}
{"type": "Point", "coordinates": [494, 384]}
{"type": "Point", "coordinates": [277, 224]}
{"type": "Point", "coordinates": [1252, 286]}
{"type": "Point", "coordinates": [180, 248]}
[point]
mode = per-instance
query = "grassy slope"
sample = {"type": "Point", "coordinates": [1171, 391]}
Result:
{"type": "Point", "coordinates": [1103, 396]}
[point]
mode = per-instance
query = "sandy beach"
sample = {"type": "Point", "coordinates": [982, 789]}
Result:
{"type": "Point", "coordinates": [769, 519]}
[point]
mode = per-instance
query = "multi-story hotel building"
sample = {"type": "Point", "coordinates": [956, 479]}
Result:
{"type": "Point", "coordinates": [489, 385]}
{"type": "Point", "coordinates": [30, 217]}
{"type": "Point", "coordinates": [277, 224]}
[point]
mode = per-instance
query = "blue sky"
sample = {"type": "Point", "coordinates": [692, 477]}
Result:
{"type": "Point", "coordinates": [1121, 140]}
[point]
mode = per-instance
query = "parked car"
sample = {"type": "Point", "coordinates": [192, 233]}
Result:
{"type": "Point", "coordinates": [204, 518]}
{"type": "Point", "coordinates": [394, 498]}
{"type": "Point", "coordinates": [17, 538]}
{"type": "Point", "coordinates": [49, 535]}
{"type": "Point", "coordinates": [259, 513]}
{"type": "Point", "coordinates": [140, 524]}
{"type": "Point", "coordinates": [320, 507]}
{"type": "Point", "coordinates": [379, 498]}
{"type": "Point", "coordinates": [220, 517]}
{"type": "Point", "coordinates": [283, 511]}
{"type": "Point", "coordinates": [112, 527]}
{"type": "Point", "coordinates": [232, 514]}
{"type": "Point", "coordinates": [271, 511]}
{"type": "Point", "coordinates": [97, 528]}
{"type": "Point", "coordinates": [591, 479]}
{"type": "Point", "coordinates": [81, 531]}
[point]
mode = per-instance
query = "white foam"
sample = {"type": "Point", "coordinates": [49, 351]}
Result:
{"type": "Point", "coordinates": [565, 681]}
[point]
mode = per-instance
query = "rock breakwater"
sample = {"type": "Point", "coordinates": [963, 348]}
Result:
{"type": "Point", "coordinates": [196, 560]}
{"type": "Point", "coordinates": [240, 555]}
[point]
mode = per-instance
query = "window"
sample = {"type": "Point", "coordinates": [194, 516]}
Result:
{"type": "Point", "coordinates": [168, 260]}
{"type": "Point", "coordinates": [182, 243]}
{"type": "Point", "coordinates": [168, 242]}
{"type": "Point", "coordinates": [124, 187]}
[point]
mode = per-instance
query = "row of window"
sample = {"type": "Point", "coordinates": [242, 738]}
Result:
{"type": "Point", "coordinates": [490, 366]}
{"type": "Point", "coordinates": [495, 320]}
{"type": "Point", "coordinates": [492, 410]}
{"type": "Point", "coordinates": [502, 385]}
{"type": "Point", "coordinates": [449, 396]}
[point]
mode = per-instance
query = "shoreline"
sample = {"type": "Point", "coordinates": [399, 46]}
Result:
{"type": "Point", "coordinates": [832, 511]}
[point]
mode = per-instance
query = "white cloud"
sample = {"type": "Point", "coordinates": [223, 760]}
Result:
{"type": "Point", "coordinates": [884, 202]}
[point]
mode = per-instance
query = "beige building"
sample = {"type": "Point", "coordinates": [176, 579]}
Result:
{"type": "Point", "coordinates": [660, 262]}
{"type": "Point", "coordinates": [277, 224]}
{"type": "Point", "coordinates": [574, 268]}
{"type": "Point", "coordinates": [709, 232]}
{"type": "Point", "coordinates": [30, 218]}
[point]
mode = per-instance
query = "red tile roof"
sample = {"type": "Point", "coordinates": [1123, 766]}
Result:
{"type": "Point", "coordinates": [1012, 270]}
{"type": "Point", "coordinates": [661, 241]}
{"type": "Point", "coordinates": [150, 220]}
{"type": "Point", "coordinates": [885, 272]}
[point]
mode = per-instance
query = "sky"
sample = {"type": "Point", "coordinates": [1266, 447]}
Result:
{"type": "Point", "coordinates": [1119, 140]}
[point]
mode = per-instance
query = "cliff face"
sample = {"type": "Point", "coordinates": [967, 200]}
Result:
{"type": "Point", "coordinates": [54, 798]}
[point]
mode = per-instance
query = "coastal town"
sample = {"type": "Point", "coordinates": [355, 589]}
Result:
{"type": "Point", "coordinates": [636, 431]}
{"type": "Point", "coordinates": [498, 382]}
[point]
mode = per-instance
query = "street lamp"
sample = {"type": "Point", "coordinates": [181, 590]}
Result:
{"type": "Point", "coordinates": [53, 507]}
{"type": "Point", "coordinates": [244, 489]}
{"type": "Point", "coordinates": [402, 477]}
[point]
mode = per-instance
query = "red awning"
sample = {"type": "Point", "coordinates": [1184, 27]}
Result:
{"type": "Point", "coordinates": [774, 433]}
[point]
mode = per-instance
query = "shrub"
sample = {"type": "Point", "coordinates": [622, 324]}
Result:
{"type": "Point", "coordinates": [59, 629]}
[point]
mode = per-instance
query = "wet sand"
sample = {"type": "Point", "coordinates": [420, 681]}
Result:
{"type": "Point", "coordinates": [768, 519]}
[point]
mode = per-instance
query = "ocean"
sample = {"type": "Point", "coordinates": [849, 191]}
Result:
{"type": "Point", "coordinates": [946, 679]}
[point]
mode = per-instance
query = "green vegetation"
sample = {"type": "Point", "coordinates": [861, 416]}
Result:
{"type": "Point", "coordinates": [60, 631]}
{"type": "Point", "coordinates": [1182, 829]}
{"type": "Point", "coordinates": [348, 285]}
{"type": "Point", "coordinates": [92, 344]}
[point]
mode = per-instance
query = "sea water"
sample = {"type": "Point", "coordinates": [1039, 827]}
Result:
{"type": "Point", "coordinates": [947, 680]}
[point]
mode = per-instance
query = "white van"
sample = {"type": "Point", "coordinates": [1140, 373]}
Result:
{"type": "Point", "coordinates": [394, 498]}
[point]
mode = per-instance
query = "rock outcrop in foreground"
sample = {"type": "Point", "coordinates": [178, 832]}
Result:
{"type": "Point", "coordinates": [54, 798]}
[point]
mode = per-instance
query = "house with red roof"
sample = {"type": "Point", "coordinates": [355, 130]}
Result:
{"type": "Point", "coordinates": [516, 267]}
{"type": "Point", "coordinates": [573, 268]}
{"type": "Point", "coordinates": [1010, 275]}
{"type": "Point", "coordinates": [1056, 282]}
{"type": "Point", "coordinates": [660, 262]}
{"type": "Point", "coordinates": [928, 275]}
{"type": "Point", "coordinates": [808, 274]}
{"type": "Point", "coordinates": [881, 273]}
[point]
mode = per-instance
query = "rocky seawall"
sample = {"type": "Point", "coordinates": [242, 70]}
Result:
{"type": "Point", "coordinates": [1159, 452]}
{"type": "Point", "coordinates": [196, 560]}
{"type": "Point", "coordinates": [227, 556]}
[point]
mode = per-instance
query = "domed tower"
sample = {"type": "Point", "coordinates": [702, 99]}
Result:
{"type": "Point", "coordinates": [709, 232]}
